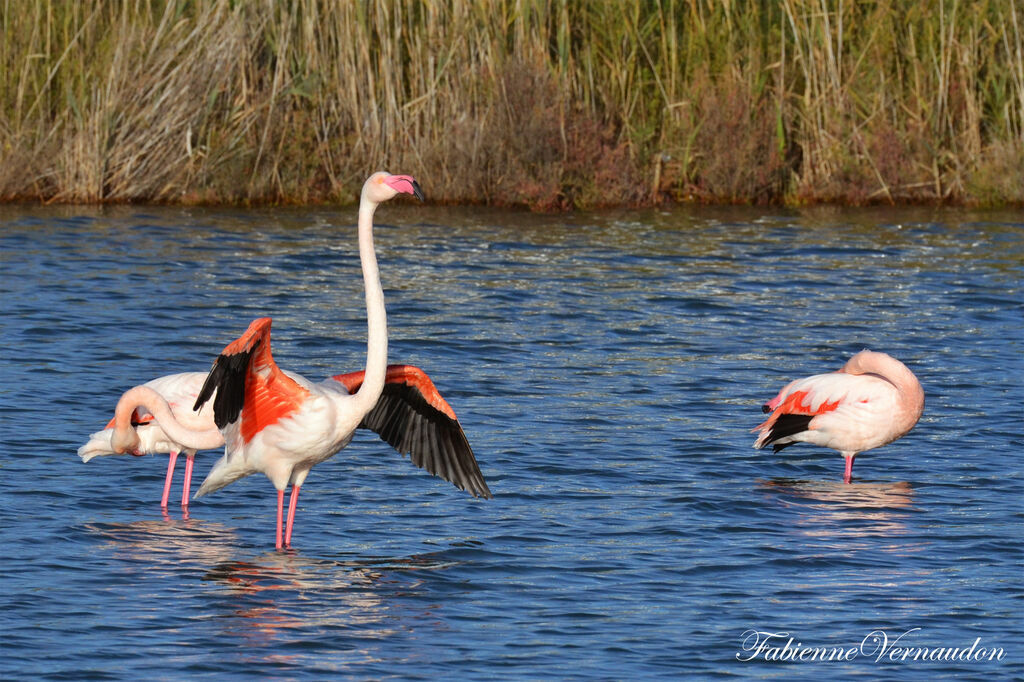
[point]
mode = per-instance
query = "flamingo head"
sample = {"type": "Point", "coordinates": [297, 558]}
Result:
{"type": "Point", "coordinates": [125, 440]}
{"type": "Point", "coordinates": [381, 187]}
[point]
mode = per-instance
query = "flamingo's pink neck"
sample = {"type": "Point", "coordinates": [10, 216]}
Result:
{"type": "Point", "coordinates": [899, 375]}
{"type": "Point", "coordinates": [125, 439]}
{"type": "Point", "coordinates": [376, 314]}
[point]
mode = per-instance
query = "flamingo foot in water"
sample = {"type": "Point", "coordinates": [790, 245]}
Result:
{"type": "Point", "coordinates": [848, 474]}
{"type": "Point", "coordinates": [190, 461]}
{"type": "Point", "coordinates": [293, 502]}
{"type": "Point", "coordinates": [280, 517]}
{"type": "Point", "coordinates": [167, 480]}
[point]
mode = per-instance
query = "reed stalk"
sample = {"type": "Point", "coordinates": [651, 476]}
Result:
{"type": "Point", "coordinates": [545, 103]}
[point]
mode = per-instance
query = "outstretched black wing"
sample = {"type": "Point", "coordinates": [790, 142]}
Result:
{"type": "Point", "coordinates": [413, 418]}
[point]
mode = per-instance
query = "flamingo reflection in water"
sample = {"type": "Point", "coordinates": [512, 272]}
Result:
{"type": "Point", "coordinates": [831, 509]}
{"type": "Point", "coordinates": [267, 597]}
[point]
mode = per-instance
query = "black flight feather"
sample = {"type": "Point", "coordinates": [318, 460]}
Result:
{"type": "Point", "coordinates": [433, 440]}
{"type": "Point", "coordinates": [787, 425]}
{"type": "Point", "coordinates": [227, 377]}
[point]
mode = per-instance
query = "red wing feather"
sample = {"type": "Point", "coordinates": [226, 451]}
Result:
{"type": "Point", "coordinates": [796, 403]}
{"type": "Point", "coordinates": [250, 384]}
{"type": "Point", "coordinates": [800, 402]}
{"type": "Point", "coordinates": [268, 400]}
{"type": "Point", "coordinates": [411, 376]}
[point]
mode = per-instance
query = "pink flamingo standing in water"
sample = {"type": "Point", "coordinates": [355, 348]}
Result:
{"type": "Point", "coordinates": [135, 429]}
{"type": "Point", "coordinates": [871, 401]}
{"type": "Point", "coordinates": [410, 415]}
{"type": "Point", "coordinates": [281, 424]}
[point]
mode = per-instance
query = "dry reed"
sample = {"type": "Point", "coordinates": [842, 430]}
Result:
{"type": "Point", "coordinates": [547, 103]}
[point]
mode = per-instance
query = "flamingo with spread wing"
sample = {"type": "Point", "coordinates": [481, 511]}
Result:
{"type": "Point", "coordinates": [282, 424]}
{"type": "Point", "coordinates": [410, 415]}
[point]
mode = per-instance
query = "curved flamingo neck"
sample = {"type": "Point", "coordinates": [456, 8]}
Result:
{"type": "Point", "coordinates": [896, 373]}
{"type": "Point", "coordinates": [912, 397]}
{"type": "Point", "coordinates": [125, 438]}
{"type": "Point", "coordinates": [376, 315]}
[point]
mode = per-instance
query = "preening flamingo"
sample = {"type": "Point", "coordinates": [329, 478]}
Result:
{"type": "Point", "coordinates": [871, 401]}
{"type": "Point", "coordinates": [281, 424]}
{"type": "Point", "coordinates": [135, 429]}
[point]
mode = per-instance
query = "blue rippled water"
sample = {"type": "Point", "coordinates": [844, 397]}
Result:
{"type": "Point", "coordinates": [607, 370]}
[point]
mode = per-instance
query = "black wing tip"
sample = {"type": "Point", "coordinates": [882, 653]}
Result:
{"type": "Point", "coordinates": [209, 386]}
{"type": "Point", "coordinates": [477, 487]}
{"type": "Point", "coordinates": [787, 425]}
{"type": "Point", "coordinates": [227, 378]}
{"type": "Point", "coordinates": [434, 441]}
{"type": "Point", "coordinates": [483, 492]}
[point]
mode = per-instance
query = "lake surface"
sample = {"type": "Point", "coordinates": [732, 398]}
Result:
{"type": "Point", "coordinates": [607, 369]}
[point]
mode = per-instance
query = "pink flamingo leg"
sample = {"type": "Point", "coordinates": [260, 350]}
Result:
{"type": "Point", "coordinates": [190, 461]}
{"type": "Point", "coordinates": [848, 475]}
{"type": "Point", "coordinates": [167, 481]}
{"type": "Point", "coordinates": [292, 504]}
{"type": "Point", "coordinates": [280, 514]}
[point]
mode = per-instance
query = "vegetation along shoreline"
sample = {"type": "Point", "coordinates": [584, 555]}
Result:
{"type": "Point", "coordinates": [537, 103]}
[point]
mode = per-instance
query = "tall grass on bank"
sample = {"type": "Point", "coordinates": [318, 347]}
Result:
{"type": "Point", "coordinates": [548, 103]}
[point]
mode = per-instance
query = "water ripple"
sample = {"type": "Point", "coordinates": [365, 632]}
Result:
{"type": "Point", "coordinates": [607, 369]}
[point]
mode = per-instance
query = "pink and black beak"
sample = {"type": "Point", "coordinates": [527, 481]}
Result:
{"type": "Point", "coordinates": [417, 192]}
{"type": "Point", "coordinates": [405, 184]}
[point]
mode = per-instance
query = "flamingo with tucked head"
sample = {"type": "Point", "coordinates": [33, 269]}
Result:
{"type": "Point", "coordinates": [135, 428]}
{"type": "Point", "coordinates": [282, 424]}
{"type": "Point", "coordinates": [869, 402]}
